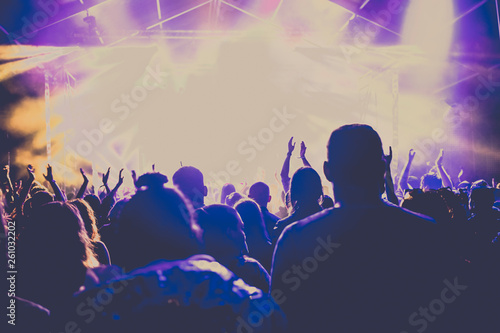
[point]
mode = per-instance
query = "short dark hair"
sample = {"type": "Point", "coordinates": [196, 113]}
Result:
{"type": "Point", "coordinates": [189, 180]}
{"type": "Point", "coordinates": [305, 187]}
{"type": "Point", "coordinates": [355, 155]}
{"type": "Point", "coordinates": [260, 193]}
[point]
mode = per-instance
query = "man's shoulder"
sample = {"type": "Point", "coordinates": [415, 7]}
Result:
{"type": "Point", "coordinates": [386, 213]}
{"type": "Point", "coordinates": [319, 218]}
{"type": "Point", "coordinates": [390, 209]}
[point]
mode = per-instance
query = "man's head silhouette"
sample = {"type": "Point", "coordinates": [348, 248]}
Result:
{"type": "Point", "coordinates": [355, 161]}
{"type": "Point", "coordinates": [260, 193]}
{"type": "Point", "coordinates": [189, 181]}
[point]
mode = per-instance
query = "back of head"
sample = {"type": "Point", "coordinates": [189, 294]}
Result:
{"type": "Point", "coordinates": [156, 223]}
{"type": "Point", "coordinates": [151, 179]}
{"type": "Point", "coordinates": [252, 218]}
{"type": "Point", "coordinates": [429, 203]}
{"type": "Point", "coordinates": [38, 199]}
{"type": "Point", "coordinates": [355, 157]}
{"type": "Point", "coordinates": [430, 181]}
{"type": "Point", "coordinates": [222, 231]}
{"type": "Point", "coordinates": [37, 187]}
{"type": "Point", "coordinates": [305, 188]}
{"type": "Point", "coordinates": [41, 198]}
{"type": "Point", "coordinates": [59, 226]}
{"type": "Point", "coordinates": [227, 189]}
{"type": "Point", "coordinates": [55, 240]}
{"type": "Point", "coordinates": [189, 180]}
{"type": "Point", "coordinates": [233, 198]}
{"type": "Point", "coordinates": [260, 193]}
{"type": "Point", "coordinates": [482, 197]}
{"type": "Point", "coordinates": [94, 202]}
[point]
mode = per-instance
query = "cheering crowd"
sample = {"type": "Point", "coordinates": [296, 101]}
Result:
{"type": "Point", "coordinates": [379, 255]}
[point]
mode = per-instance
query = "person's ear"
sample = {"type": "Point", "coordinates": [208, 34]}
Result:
{"type": "Point", "coordinates": [327, 171]}
{"type": "Point", "coordinates": [205, 191]}
{"type": "Point", "coordinates": [269, 200]}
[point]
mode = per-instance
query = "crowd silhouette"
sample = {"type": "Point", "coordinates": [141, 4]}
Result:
{"type": "Point", "coordinates": [412, 254]}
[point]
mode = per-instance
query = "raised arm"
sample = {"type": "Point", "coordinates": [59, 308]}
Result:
{"type": "Point", "coordinates": [303, 149]}
{"type": "Point", "coordinates": [285, 170]}
{"type": "Point", "coordinates": [442, 172]}
{"type": "Point", "coordinates": [460, 174]}
{"type": "Point", "coordinates": [244, 187]}
{"type": "Point", "coordinates": [403, 180]}
{"type": "Point", "coordinates": [389, 185]}
{"type": "Point", "coordinates": [118, 183]}
{"type": "Point", "coordinates": [59, 196]}
{"type": "Point", "coordinates": [7, 184]}
{"type": "Point", "coordinates": [105, 177]}
{"type": "Point", "coordinates": [83, 188]}
{"type": "Point", "coordinates": [26, 187]}
{"type": "Point", "coordinates": [109, 200]}
{"type": "Point", "coordinates": [134, 177]}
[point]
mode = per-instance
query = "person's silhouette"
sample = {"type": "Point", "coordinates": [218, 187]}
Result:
{"type": "Point", "coordinates": [261, 194]}
{"type": "Point", "coordinates": [305, 194]}
{"type": "Point", "coordinates": [364, 265]}
{"type": "Point", "coordinates": [189, 181]}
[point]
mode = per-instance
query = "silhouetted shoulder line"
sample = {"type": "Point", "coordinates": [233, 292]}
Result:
{"type": "Point", "coordinates": [298, 225]}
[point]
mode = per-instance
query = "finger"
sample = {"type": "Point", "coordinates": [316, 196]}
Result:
{"type": "Point", "coordinates": [390, 150]}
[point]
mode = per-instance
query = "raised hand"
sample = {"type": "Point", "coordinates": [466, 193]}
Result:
{"type": "Point", "coordinates": [31, 172]}
{"type": "Point", "coordinates": [83, 188]}
{"type": "Point", "coordinates": [388, 158]}
{"type": "Point", "coordinates": [439, 160]}
{"type": "Point", "coordinates": [134, 176]}
{"type": "Point", "coordinates": [105, 177]}
{"type": "Point", "coordinates": [291, 146]}
{"type": "Point", "coordinates": [85, 179]}
{"type": "Point", "coordinates": [303, 149]}
{"type": "Point", "coordinates": [411, 155]}
{"type": "Point", "coordinates": [5, 172]}
{"type": "Point", "coordinates": [49, 177]}
{"type": "Point", "coordinates": [120, 178]}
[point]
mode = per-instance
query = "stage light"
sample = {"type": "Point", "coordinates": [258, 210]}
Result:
{"type": "Point", "coordinates": [429, 25]}
{"type": "Point", "coordinates": [93, 36]}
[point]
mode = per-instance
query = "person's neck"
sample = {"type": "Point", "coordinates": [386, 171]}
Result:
{"type": "Point", "coordinates": [356, 196]}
